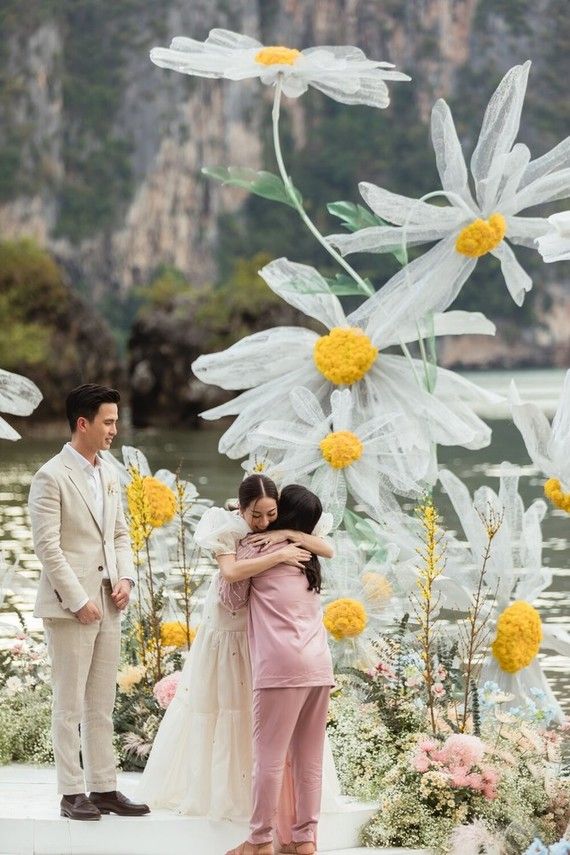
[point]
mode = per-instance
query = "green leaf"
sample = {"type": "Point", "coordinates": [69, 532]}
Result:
{"type": "Point", "coordinates": [356, 217]}
{"type": "Point", "coordinates": [262, 183]}
{"type": "Point", "coordinates": [344, 286]}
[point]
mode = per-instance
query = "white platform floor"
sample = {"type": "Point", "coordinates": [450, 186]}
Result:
{"type": "Point", "coordinates": [30, 825]}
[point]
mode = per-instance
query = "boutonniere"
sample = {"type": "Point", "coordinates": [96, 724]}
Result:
{"type": "Point", "coordinates": [111, 488]}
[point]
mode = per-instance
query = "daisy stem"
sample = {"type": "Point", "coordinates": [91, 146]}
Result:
{"type": "Point", "coordinates": [362, 285]}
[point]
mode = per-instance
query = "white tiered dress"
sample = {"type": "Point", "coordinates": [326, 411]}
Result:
{"type": "Point", "coordinates": [200, 763]}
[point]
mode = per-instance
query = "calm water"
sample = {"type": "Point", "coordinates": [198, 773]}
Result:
{"type": "Point", "coordinates": [217, 477]}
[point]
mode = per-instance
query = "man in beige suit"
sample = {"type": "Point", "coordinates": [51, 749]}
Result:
{"type": "Point", "coordinates": [82, 541]}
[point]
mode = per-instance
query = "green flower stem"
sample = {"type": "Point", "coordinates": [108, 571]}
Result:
{"type": "Point", "coordinates": [364, 287]}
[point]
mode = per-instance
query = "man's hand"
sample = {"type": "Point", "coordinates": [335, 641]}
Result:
{"type": "Point", "coordinates": [121, 594]}
{"type": "Point", "coordinates": [89, 613]}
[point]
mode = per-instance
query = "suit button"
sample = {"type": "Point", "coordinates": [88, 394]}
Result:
{"type": "Point", "coordinates": [100, 568]}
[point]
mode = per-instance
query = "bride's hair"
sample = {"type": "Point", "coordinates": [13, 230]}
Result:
{"type": "Point", "coordinates": [256, 487]}
{"type": "Point", "coordinates": [299, 509]}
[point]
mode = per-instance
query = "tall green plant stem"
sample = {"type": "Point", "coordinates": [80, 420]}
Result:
{"type": "Point", "coordinates": [363, 286]}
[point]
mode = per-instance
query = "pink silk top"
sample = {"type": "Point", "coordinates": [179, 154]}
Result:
{"type": "Point", "coordinates": [287, 639]}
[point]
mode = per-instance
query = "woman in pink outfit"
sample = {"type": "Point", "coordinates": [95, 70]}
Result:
{"type": "Point", "coordinates": [292, 674]}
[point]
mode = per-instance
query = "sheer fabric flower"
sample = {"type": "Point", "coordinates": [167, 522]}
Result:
{"type": "Point", "coordinates": [342, 72]}
{"type": "Point", "coordinates": [514, 568]}
{"type": "Point", "coordinates": [548, 446]}
{"type": "Point", "coordinates": [555, 244]}
{"type": "Point", "coordinates": [351, 354]}
{"type": "Point", "coordinates": [335, 454]}
{"type": "Point", "coordinates": [506, 182]}
{"type": "Point", "coordinates": [18, 397]}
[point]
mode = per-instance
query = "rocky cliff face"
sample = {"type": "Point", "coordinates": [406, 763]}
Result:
{"type": "Point", "coordinates": [100, 152]}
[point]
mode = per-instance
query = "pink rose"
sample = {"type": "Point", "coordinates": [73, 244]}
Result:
{"type": "Point", "coordinates": [165, 689]}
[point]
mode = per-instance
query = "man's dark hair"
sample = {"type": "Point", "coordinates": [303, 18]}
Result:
{"type": "Point", "coordinates": [84, 401]}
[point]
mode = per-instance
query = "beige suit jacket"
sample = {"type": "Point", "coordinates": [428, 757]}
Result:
{"type": "Point", "coordinates": [68, 541]}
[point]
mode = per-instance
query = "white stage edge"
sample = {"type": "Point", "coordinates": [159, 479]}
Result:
{"type": "Point", "coordinates": [30, 825]}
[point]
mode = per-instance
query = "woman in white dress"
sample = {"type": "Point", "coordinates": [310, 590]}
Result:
{"type": "Point", "coordinates": [200, 763]}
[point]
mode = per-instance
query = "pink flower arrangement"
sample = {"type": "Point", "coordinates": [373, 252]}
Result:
{"type": "Point", "coordinates": [459, 758]}
{"type": "Point", "coordinates": [165, 689]}
{"type": "Point", "coordinates": [385, 671]}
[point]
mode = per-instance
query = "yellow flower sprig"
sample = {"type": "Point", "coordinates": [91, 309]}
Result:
{"type": "Point", "coordinates": [174, 633]}
{"type": "Point", "coordinates": [431, 567]}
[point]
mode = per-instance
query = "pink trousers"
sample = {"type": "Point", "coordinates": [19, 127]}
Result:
{"type": "Point", "coordinates": [288, 720]}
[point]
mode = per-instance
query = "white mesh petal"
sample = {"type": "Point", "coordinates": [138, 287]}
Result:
{"type": "Point", "coordinates": [231, 40]}
{"type": "Point", "coordinates": [199, 64]}
{"type": "Point", "coordinates": [447, 323]}
{"type": "Point", "coordinates": [399, 209]}
{"type": "Point", "coordinates": [471, 524]}
{"type": "Point", "coordinates": [7, 432]}
{"type": "Point", "coordinates": [307, 407]}
{"type": "Point", "coordinates": [310, 292]}
{"type": "Point", "coordinates": [428, 284]}
{"type": "Point", "coordinates": [449, 154]}
{"type": "Point", "coordinates": [555, 159]}
{"type": "Point", "coordinates": [549, 188]}
{"type": "Point", "coordinates": [500, 124]}
{"type": "Point", "coordinates": [341, 409]}
{"type": "Point", "coordinates": [330, 486]}
{"type": "Point", "coordinates": [371, 89]}
{"type": "Point", "coordinates": [501, 196]}
{"type": "Point", "coordinates": [525, 230]}
{"type": "Point", "coordinates": [133, 458]}
{"type": "Point", "coordinates": [293, 86]}
{"type": "Point", "coordinates": [383, 238]}
{"type": "Point", "coordinates": [516, 278]}
{"type": "Point", "coordinates": [281, 434]}
{"type": "Point", "coordinates": [18, 395]}
{"type": "Point", "coordinates": [534, 429]}
{"type": "Point", "coordinates": [256, 358]}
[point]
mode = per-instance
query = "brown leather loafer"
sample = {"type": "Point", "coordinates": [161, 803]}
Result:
{"type": "Point", "coordinates": [79, 807]}
{"type": "Point", "coordinates": [118, 803]}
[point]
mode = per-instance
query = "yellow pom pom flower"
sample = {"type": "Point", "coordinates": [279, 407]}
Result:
{"type": "Point", "coordinates": [174, 634]}
{"type": "Point", "coordinates": [519, 635]}
{"type": "Point", "coordinates": [554, 493]}
{"type": "Point", "coordinates": [345, 618]}
{"type": "Point", "coordinates": [344, 356]}
{"type": "Point", "coordinates": [481, 236]}
{"type": "Point", "coordinates": [341, 448]}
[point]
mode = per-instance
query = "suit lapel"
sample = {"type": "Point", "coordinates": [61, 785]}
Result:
{"type": "Point", "coordinates": [78, 479]}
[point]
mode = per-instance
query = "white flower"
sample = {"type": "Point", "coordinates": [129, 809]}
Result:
{"type": "Point", "coordinates": [555, 244]}
{"type": "Point", "coordinates": [548, 446]}
{"type": "Point", "coordinates": [343, 73]}
{"type": "Point", "coordinates": [13, 686]}
{"type": "Point", "coordinates": [514, 569]}
{"type": "Point", "coordinates": [18, 397]}
{"type": "Point", "coordinates": [506, 182]}
{"type": "Point", "coordinates": [271, 363]}
{"type": "Point", "coordinates": [334, 456]}
{"type": "Point", "coordinates": [261, 461]}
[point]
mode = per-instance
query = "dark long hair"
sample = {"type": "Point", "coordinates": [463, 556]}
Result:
{"type": "Point", "coordinates": [300, 510]}
{"type": "Point", "coordinates": [256, 487]}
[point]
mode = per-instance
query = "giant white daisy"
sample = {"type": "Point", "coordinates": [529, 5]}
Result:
{"type": "Point", "coordinates": [334, 453]}
{"type": "Point", "coordinates": [271, 363]}
{"type": "Point", "coordinates": [18, 397]}
{"type": "Point", "coordinates": [506, 182]}
{"type": "Point", "coordinates": [342, 72]}
{"type": "Point", "coordinates": [555, 244]}
{"type": "Point", "coordinates": [515, 576]}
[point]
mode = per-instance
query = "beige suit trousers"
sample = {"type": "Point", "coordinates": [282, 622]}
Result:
{"type": "Point", "coordinates": [84, 660]}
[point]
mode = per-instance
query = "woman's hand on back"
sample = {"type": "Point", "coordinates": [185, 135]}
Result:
{"type": "Point", "coordinates": [266, 538]}
{"type": "Point", "coordinates": [294, 554]}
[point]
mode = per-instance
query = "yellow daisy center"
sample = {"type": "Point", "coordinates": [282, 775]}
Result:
{"type": "Point", "coordinates": [345, 618]}
{"type": "Point", "coordinates": [377, 587]}
{"type": "Point", "coordinates": [344, 356]}
{"type": "Point", "coordinates": [277, 55]}
{"type": "Point", "coordinates": [341, 448]}
{"type": "Point", "coordinates": [481, 236]}
{"type": "Point", "coordinates": [554, 492]}
{"type": "Point", "coordinates": [519, 633]}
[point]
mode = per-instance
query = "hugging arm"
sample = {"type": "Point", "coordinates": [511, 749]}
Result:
{"type": "Point", "coordinates": [311, 542]}
{"type": "Point", "coordinates": [234, 570]}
